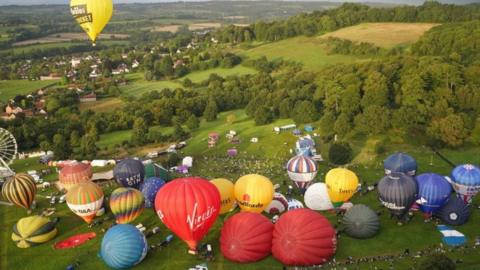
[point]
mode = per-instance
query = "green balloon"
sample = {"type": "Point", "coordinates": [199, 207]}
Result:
{"type": "Point", "coordinates": [361, 222]}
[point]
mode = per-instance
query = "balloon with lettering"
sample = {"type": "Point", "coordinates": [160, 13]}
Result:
{"type": "Point", "coordinates": [129, 173]}
{"type": "Point", "coordinates": [341, 185]}
{"type": "Point", "coordinates": [246, 237]}
{"type": "Point", "coordinates": [397, 192]}
{"type": "Point", "coordinates": [189, 207]}
{"type": "Point", "coordinates": [126, 204]}
{"type": "Point", "coordinates": [85, 200]}
{"type": "Point", "coordinates": [316, 197]}
{"type": "Point", "coordinates": [149, 188]}
{"type": "Point", "coordinates": [227, 196]}
{"type": "Point", "coordinates": [92, 15]}
{"type": "Point", "coordinates": [278, 205]}
{"type": "Point", "coordinates": [253, 192]}
{"type": "Point", "coordinates": [433, 192]}
{"type": "Point", "coordinates": [466, 181]}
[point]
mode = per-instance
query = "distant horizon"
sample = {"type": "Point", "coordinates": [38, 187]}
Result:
{"type": "Point", "coordinates": [65, 2]}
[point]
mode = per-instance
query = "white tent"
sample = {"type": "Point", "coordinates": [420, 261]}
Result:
{"type": "Point", "coordinates": [188, 162]}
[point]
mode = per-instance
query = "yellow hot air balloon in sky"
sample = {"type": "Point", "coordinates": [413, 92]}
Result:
{"type": "Point", "coordinates": [92, 15]}
{"type": "Point", "coordinates": [341, 185]}
{"type": "Point", "coordinates": [227, 195]}
{"type": "Point", "coordinates": [253, 192]}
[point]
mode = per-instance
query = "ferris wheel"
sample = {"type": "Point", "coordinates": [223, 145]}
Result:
{"type": "Point", "coordinates": [8, 148]}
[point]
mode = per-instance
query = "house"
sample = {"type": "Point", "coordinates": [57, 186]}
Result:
{"type": "Point", "coordinates": [51, 76]}
{"type": "Point", "coordinates": [94, 74]}
{"type": "Point", "coordinates": [75, 62]}
{"type": "Point", "coordinates": [12, 109]}
{"type": "Point", "coordinates": [178, 63]}
{"type": "Point", "coordinates": [88, 98]}
{"type": "Point", "coordinates": [122, 68]}
{"type": "Point", "coordinates": [39, 105]}
{"type": "Point", "coordinates": [135, 64]}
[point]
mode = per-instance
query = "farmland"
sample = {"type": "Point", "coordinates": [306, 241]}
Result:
{"type": "Point", "coordinates": [11, 88]}
{"type": "Point", "coordinates": [200, 76]}
{"type": "Point", "coordinates": [65, 37]}
{"type": "Point", "coordinates": [102, 105]}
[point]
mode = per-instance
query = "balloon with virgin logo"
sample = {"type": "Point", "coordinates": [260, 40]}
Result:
{"type": "Point", "coordinates": [188, 207]}
{"type": "Point", "coordinates": [253, 192]}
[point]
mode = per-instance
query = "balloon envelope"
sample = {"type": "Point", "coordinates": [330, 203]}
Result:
{"type": "Point", "coordinates": [85, 200]}
{"type": "Point", "coordinates": [123, 246]}
{"type": "Point", "coordinates": [188, 207]}
{"type": "Point", "coordinates": [75, 173]}
{"type": "Point", "coordinates": [303, 237]}
{"type": "Point", "coordinates": [227, 194]}
{"type": "Point", "coordinates": [294, 204]}
{"type": "Point", "coordinates": [126, 204]}
{"type": "Point", "coordinates": [92, 15]}
{"type": "Point", "coordinates": [316, 197]}
{"type": "Point", "coordinates": [361, 222]}
{"type": "Point", "coordinates": [149, 188]}
{"type": "Point", "coordinates": [466, 181]}
{"type": "Point", "coordinates": [455, 212]}
{"type": "Point", "coordinates": [341, 185]}
{"type": "Point", "coordinates": [397, 192]}
{"type": "Point", "coordinates": [246, 237]}
{"type": "Point", "coordinates": [279, 204]}
{"type": "Point", "coordinates": [32, 231]}
{"type": "Point", "coordinates": [129, 173]}
{"type": "Point", "coordinates": [302, 170]}
{"type": "Point", "coordinates": [20, 190]}
{"type": "Point", "coordinates": [433, 192]}
{"type": "Point", "coordinates": [253, 192]}
{"type": "Point", "coordinates": [400, 163]}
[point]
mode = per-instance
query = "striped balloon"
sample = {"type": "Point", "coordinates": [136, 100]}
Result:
{"type": "Point", "coordinates": [74, 174]}
{"type": "Point", "coordinates": [123, 246]}
{"type": "Point", "coordinates": [32, 231]}
{"type": "Point", "coordinates": [126, 204]}
{"type": "Point", "coordinates": [466, 181]}
{"type": "Point", "coordinates": [85, 200]}
{"type": "Point", "coordinates": [302, 170]}
{"type": "Point", "coordinates": [20, 190]}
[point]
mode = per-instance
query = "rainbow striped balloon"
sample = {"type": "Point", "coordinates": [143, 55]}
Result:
{"type": "Point", "coordinates": [126, 204]}
{"type": "Point", "coordinates": [302, 170]}
{"type": "Point", "coordinates": [20, 190]}
{"type": "Point", "coordinates": [85, 200]}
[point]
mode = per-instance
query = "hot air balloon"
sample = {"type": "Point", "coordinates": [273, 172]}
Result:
{"type": "Point", "coordinates": [85, 200]}
{"type": "Point", "coordinates": [123, 246]}
{"type": "Point", "coordinates": [316, 197]}
{"type": "Point", "coordinates": [433, 192]}
{"type": "Point", "coordinates": [92, 15]}
{"type": "Point", "coordinates": [246, 237]}
{"type": "Point", "coordinates": [400, 163]}
{"type": "Point", "coordinates": [361, 222]}
{"type": "Point", "coordinates": [126, 204]}
{"type": "Point", "coordinates": [294, 204]}
{"type": "Point", "coordinates": [279, 204]}
{"type": "Point", "coordinates": [253, 192]}
{"type": "Point", "coordinates": [227, 195]}
{"type": "Point", "coordinates": [20, 190]}
{"type": "Point", "coordinates": [33, 230]}
{"type": "Point", "coordinates": [397, 192]}
{"type": "Point", "coordinates": [188, 207]}
{"type": "Point", "coordinates": [129, 173]}
{"type": "Point", "coordinates": [302, 170]}
{"type": "Point", "coordinates": [150, 188]}
{"type": "Point", "coordinates": [75, 173]}
{"type": "Point", "coordinates": [456, 212]}
{"type": "Point", "coordinates": [341, 185]}
{"type": "Point", "coordinates": [303, 237]}
{"type": "Point", "coordinates": [466, 181]}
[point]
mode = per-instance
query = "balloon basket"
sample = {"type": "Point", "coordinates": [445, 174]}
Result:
{"type": "Point", "coordinates": [192, 252]}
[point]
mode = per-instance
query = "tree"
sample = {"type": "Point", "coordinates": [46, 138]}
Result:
{"type": "Point", "coordinates": [139, 132]}
{"type": "Point", "coordinates": [178, 133]}
{"type": "Point", "coordinates": [61, 148]}
{"type": "Point", "coordinates": [340, 153]}
{"type": "Point", "coordinates": [343, 125]}
{"type": "Point", "coordinates": [192, 122]}
{"type": "Point", "coordinates": [211, 110]}
{"type": "Point", "coordinates": [305, 112]}
{"type": "Point", "coordinates": [45, 146]}
{"type": "Point", "coordinates": [375, 90]}
{"type": "Point", "coordinates": [88, 147]}
{"type": "Point", "coordinates": [75, 139]}
{"type": "Point", "coordinates": [437, 262]}
{"type": "Point", "coordinates": [374, 120]}
{"type": "Point", "coordinates": [449, 130]}
{"type": "Point", "coordinates": [263, 116]}
{"type": "Point", "coordinates": [327, 123]}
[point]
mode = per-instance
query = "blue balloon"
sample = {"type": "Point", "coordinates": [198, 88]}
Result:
{"type": "Point", "coordinates": [123, 246]}
{"type": "Point", "coordinates": [466, 181]}
{"type": "Point", "coordinates": [150, 188]}
{"type": "Point", "coordinates": [456, 212]}
{"type": "Point", "coordinates": [129, 173]}
{"type": "Point", "coordinates": [433, 192]}
{"type": "Point", "coordinates": [400, 163]}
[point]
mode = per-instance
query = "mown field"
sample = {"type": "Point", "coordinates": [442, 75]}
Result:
{"type": "Point", "coordinates": [11, 88]}
{"type": "Point", "coordinates": [266, 157]}
{"type": "Point", "coordinates": [102, 105]}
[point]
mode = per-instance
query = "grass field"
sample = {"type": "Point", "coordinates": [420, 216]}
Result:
{"type": "Point", "coordinates": [11, 88]}
{"type": "Point", "coordinates": [28, 48]}
{"type": "Point", "coordinates": [66, 37]}
{"type": "Point", "coordinates": [386, 35]}
{"type": "Point", "coordinates": [102, 105]}
{"type": "Point", "coordinates": [200, 76]}
{"type": "Point", "coordinates": [308, 50]}
{"type": "Point", "coordinates": [272, 150]}
{"type": "Point", "coordinates": [117, 137]}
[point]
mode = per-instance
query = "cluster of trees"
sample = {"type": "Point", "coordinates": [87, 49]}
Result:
{"type": "Point", "coordinates": [344, 46]}
{"type": "Point", "coordinates": [346, 15]}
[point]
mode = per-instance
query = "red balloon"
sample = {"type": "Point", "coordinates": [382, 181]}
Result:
{"type": "Point", "coordinates": [246, 237]}
{"type": "Point", "coordinates": [303, 237]}
{"type": "Point", "coordinates": [188, 207]}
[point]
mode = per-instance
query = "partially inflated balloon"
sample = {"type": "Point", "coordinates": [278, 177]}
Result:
{"type": "Point", "coordinates": [149, 188]}
{"type": "Point", "coordinates": [341, 185]}
{"type": "Point", "coordinates": [20, 190]}
{"type": "Point", "coordinates": [92, 15]}
{"type": "Point", "coordinates": [278, 205]}
{"type": "Point", "coordinates": [253, 192]}
{"type": "Point", "coordinates": [188, 207]}
{"type": "Point", "coordinates": [126, 204]}
{"type": "Point", "coordinates": [456, 212]}
{"type": "Point", "coordinates": [227, 196]}
{"type": "Point", "coordinates": [85, 200]}
{"type": "Point", "coordinates": [294, 204]}
{"type": "Point", "coordinates": [246, 237]}
{"type": "Point", "coordinates": [316, 197]}
{"type": "Point", "coordinates": [32, 231]}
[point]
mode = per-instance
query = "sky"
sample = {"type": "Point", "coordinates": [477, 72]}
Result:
{"type": "Point", "coordinates": [45, 2]}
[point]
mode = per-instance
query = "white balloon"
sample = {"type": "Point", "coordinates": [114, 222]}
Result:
{"type": "Point", "coordinates": [316, 197]}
